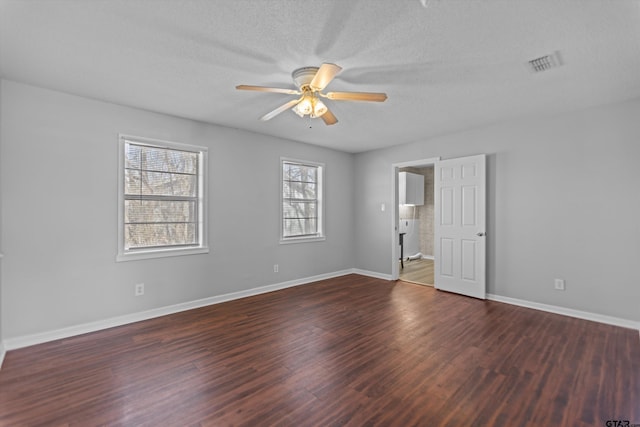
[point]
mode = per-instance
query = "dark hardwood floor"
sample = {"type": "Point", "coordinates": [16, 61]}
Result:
{"type": "Point", "coordinates": [346, 351]}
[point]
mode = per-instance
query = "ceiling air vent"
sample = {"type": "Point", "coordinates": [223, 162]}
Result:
{"type": "Point", "coordinates": [546, 62]}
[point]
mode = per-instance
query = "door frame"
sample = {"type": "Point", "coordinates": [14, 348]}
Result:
{"type": "Point", "coordinates": [395, 212]}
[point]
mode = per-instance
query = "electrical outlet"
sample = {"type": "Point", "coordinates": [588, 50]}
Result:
{"type": "Point", "coordinates": [559, 284]}
{"type": "Point", "coordinates": [139, 289]}
{"type": "Point", "coordinates": [275, 268]}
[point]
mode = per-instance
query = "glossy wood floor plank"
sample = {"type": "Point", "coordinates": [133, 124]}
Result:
{"type": "Point", "coordinates": [347, 351]}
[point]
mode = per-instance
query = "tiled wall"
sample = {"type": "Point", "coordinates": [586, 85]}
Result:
{"type": "Point", "coordinates": [424, 213]}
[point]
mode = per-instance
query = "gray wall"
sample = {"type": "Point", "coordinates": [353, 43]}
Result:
{"type": "Point", "coordinates": [58, 176]}
{"type": "Point", "coordinates": [563, 202]}
{"type": "Point", "coordinates": [1, 245]}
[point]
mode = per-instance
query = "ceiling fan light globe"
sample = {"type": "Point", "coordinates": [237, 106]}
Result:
{"type": "Point", "coordinates": [304, 107]}
{"type": "Point", "coordinates": [319, 109]}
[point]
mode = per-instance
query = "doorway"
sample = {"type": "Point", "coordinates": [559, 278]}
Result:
{"type": "Point", "coordinates": [416, 221]}
{"type": "Point", "coordinates": [413, 224]}
{"type": "Point", "coordinates": [460, 223]}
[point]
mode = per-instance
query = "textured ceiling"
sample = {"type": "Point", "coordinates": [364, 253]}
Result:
{"type": "Point", "coordinates": [446, 65]}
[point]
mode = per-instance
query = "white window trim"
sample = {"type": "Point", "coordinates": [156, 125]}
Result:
{"type": "Point", "coordinates": [138, 254]}
{"type": "Point", "coordinates": [321, 209]}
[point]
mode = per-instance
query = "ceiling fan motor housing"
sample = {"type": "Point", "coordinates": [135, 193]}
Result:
{"type": "Point", "coordinates": [303, 76]}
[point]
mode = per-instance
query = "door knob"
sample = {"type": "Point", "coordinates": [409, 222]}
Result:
{"type": "Point", "coordinates": [480, 234]}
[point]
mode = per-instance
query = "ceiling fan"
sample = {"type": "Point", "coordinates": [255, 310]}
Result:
{"type": "Point", "coordinates": [311, 81]}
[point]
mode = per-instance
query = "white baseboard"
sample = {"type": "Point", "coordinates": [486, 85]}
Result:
{"type": "Point", "coordinates": [39, 338]}
{"type": "Point", "coordinates": [601, 318]}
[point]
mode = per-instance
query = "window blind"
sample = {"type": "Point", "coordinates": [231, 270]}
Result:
{"type": "Point", "coordinates": [300, 201]}
{"type": "Point", "coordinates": [161, 197]}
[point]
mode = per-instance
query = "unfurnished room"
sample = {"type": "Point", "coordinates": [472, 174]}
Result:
{"type": "Point", "coordinates": [319, 213]}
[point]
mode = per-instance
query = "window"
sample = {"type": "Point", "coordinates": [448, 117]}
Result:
{"type": "Point", "coordinates": [162, 209]}
{"type": "Point", "coordinates": [302, 209]}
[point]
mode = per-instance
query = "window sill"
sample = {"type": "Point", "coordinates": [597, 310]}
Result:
{"type": "Point", "coordinates": [160, 253]}
{"type": "Point", "coordinates": [290, 240]}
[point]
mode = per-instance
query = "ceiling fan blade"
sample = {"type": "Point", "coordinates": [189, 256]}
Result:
{"type": "Point", "coordinates": [357, 96]}
{"type": "Point", "coordinates": [329, 118]}
{"type": "Point", "coordinates": [325, 74]}
{"type": "Point", "coordinates": [268, 89]}
{"type": "Point", "coordinates": [280, 109]}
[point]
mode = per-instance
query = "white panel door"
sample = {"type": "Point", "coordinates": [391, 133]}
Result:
{"type": "Point", "coordinates": [460, 218]}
